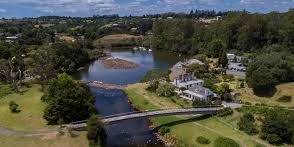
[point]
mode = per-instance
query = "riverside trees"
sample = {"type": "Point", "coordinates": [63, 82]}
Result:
{"type": "Point", "coordinates": [67, 101]}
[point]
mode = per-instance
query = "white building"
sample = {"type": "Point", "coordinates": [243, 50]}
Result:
{"type": "Point", "coordinates": [181, 78]}
{"type": "Point", "coordinates": [198, 93]}
{"type": "Point", "coordinates": [187, 85]}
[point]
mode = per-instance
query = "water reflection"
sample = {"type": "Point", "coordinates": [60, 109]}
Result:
{"type": "Point", "coordinates": [130, 132]}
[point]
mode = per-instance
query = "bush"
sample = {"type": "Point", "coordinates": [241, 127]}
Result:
{"type": "Point", "coordinates": [13, 107]}
{"type": "Point", "coordinates": [225, 142]}
{"type": "Point", "coordinates": [274, 139]}
{"type": "Point", "coordinates": [164, 130]}
{"type": "Point", "coordinates": [225, 112]}
{"type": "Point", "coordinates": [247, 124]}
{"type": "Point", "coordinates": [153, 85]}
{"type": "Point", "coordinates": [165, 89]}
{"type": "Point", "coordinates": [285, 99]}
{"type": "Point", "coordinates": [5, 90]}
{"type": "Point", "coordinates": [155, 74]}
{"type": "Point", "coordinates": [202, 140]}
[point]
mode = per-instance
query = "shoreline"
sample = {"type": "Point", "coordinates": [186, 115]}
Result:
{"type": "Point", "coordinates": [166, 140]}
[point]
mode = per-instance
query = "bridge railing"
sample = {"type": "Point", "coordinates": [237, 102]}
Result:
{"type": "Point", "coordinates": [137, 112]}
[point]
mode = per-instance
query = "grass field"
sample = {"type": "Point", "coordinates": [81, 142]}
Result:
{"type": "Point", "coordinates": [118, 40]}
{"type": "Point", "coordinates": [186, 129]}
{"type": "Point", "coordinates": [287, 89]}
{"type": "Point", "coordinates": [47, 141]}
{"type": "Point", "coordinates": [31, 115]}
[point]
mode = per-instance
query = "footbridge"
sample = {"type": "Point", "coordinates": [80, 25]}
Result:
{"type": "Point", "coordinates": [153, 113]}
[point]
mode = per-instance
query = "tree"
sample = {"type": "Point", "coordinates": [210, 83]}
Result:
{"type": "Point", "coordinates": [224, 89]}
{"type": "Point", "coordinates": [67, 101]}
{"type": "Point", "coordinates": [223, 60]}
{"type": "Point", "coordinates": [198, 70]}
{"type": "Point", "coordinates": [44, 63]}
{"type": "Point", "coordinates": [246, 124]}
{"type": "Point", "coordinates": [277, 127]}
{"type": "Point", "coordinates": [153, 85]}
{"type": "Point", "coordinates": [261, 80]}
{"type": "Point", "coordinates": [216, 48]}
{"type": "Point", "coordinates": [96, 133]}
{"type": "Point", "coordinates": [266, 71]}
{"type": "Point", "coordinates": [165, 89]}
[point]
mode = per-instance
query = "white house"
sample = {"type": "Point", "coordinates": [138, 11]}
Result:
{"type": "Point", "coordinates": [187, 85]}
{"type": "Point", "coordinates": [198, 93]}
{"type": "Point", "coordinates": [182, 78]}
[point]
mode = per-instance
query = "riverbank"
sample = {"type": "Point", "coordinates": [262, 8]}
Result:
{"type": "Point", "coordinates": [116, 63]}
{"type": "Point", "coordinates": [185, 129]}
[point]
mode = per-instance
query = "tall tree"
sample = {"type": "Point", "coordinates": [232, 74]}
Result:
{"type": "Point", "coordinates": [67, 101]}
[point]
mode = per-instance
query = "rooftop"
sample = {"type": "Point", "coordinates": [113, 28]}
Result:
{"type": "Point", "coordinates": [199, 91]}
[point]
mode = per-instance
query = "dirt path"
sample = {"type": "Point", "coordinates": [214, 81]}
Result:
{"type": "Point", "coordinates": [10, 132]}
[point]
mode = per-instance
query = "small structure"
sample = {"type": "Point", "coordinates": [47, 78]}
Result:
{"type": "Point", "coordinates": [198, 93]}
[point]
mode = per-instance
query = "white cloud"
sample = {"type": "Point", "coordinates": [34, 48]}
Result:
{"type": "Point", "coordinates": [3, 10]}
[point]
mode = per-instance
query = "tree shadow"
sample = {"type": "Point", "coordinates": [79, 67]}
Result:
{"type": "Point", "coordinates": [183, 121]}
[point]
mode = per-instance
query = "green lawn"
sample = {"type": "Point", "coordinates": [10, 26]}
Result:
{"type": "Point", "coordinates": [51, 140]}
{"type": "Point", "coordinates": [184, 128]}
{"type": "Point", "coordinates": [31, 115]}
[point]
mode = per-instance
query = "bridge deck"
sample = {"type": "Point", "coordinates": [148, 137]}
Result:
{"type": "Point", "coordinates": [133, 115]}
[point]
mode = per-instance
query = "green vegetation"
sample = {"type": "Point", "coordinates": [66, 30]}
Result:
{"type": "Point", "coordinates": [96, 133]}
{"type": "Point", "coordinates": [5, 90]}
{"type": "Point", "coordinates": [264, 74]}
{"type": "Point", "coordinates": [155, 74]}
{"type": "Point", "coordinates": [165, 89]}
{"type": "Point", "coordinates": [118, 40]}
{"type": "Point", "coordinates": [225, 142]}
{"type": "Point", "coordinates": [276, 127]}
{"type": "Point", "coordinates": [285, 99]}
{"type": "Point", "coordinates": [184, 130]}
{"type": "Point", "coordinates": [225, 112]}
{"type": "Point", "coordinates": [287, 89]}
{"type": "Point", "coordinates": [261, 32]}
{"type": "Point", "coordinates": [67, 100]}
{"type": "Point", "coordinates": [45, 141]}
{"type": "Point", "coordinates": [31, 115]}
{"type": "Point", "coordinates": [202, 140]}
{"type": "Point", "coordinates": [247, 124]}
{"type": "Point", "coordinates": [13, 107]}
{"type": "Point", "coordinates": [164, 130]}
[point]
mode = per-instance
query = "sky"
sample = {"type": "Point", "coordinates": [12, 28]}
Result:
{"type": "Point", "coordinates": [34, 8]}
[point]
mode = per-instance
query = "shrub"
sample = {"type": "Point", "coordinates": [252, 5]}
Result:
{"type": "Point", "coordinates": [202, 140]}
{"type": "Point", "coordinates": [5, 90]}
{"type": "Point", "coordinates": [153, 85]}
{"type": "Point", "coordinates": [247, 124]}
{"type": "Point", "coordinates": [248, 103]}
{"type": "Point", "coordinates": [225, 112]}
{"type": "Point", "coordinates": [285, 98]}
{"type": "Point", "coordinates": [164, 130]}
{"type": "Point", "coordinates": [13, 107]}
{"type": "Point", "coordinates": [225, 142]}
{"type": "Point", "coordinates": [165, 89]}
{"type": "Point", "coordinates": [274, 139]}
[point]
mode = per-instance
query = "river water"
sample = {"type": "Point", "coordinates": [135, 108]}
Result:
{"type": "Point", "coordinates": [108, 102]}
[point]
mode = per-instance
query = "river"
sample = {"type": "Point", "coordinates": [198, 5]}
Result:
{"type": "Point", "coordinates": [130, 132]}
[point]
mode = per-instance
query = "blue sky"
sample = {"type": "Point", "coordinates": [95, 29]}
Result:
{"type": "Point", "coordinates": [28, 8]}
